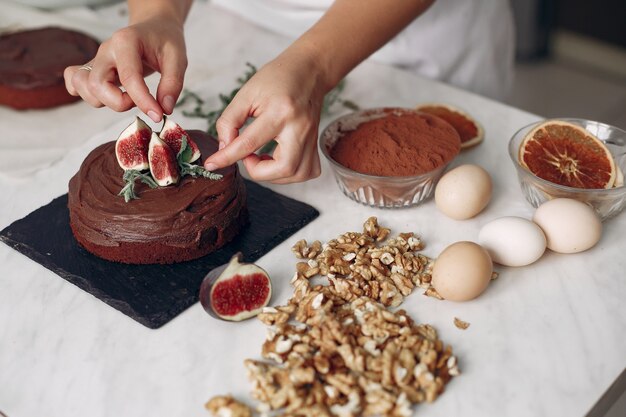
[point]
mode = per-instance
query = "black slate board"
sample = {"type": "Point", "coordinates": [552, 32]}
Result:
{"type": "Point", "coordinates": [150, 294]}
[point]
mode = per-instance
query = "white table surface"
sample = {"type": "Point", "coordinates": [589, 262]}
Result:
{"type": "Point", "coordinates": [544, 340]}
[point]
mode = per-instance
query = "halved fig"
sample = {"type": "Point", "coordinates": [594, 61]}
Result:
{"type": "Point", "coordinates": [235, 291]}
{"type": "Point", "coordinates": [163, 165]}
{"type": "Point", "coordinates": [131, 147]}
{"type": "Point", "coordinates": [173, 135]}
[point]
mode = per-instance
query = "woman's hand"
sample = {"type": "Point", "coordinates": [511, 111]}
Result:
{"type": "Point", "coordinates": [285, 99]}
{"type": "Point", "coordinates": [155, 44]}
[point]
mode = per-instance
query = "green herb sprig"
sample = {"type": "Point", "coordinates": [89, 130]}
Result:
{"type": "Point", "coordinates": [132, 175]}
{"type": "Point", "coordinates": [334, 96]}
{"type": "Point", "coordinates": [186, 168]}
{"type": "Point", "coordinates": [225, 99]}
{"type": "Point", "coordinates": [187, 96]}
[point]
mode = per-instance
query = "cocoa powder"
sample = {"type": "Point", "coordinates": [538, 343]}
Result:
{"type": "Point", "coordinates": [399, 144]}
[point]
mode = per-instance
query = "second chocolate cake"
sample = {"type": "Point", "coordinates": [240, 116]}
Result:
{"type": "Point", "coordinates": [32, 64]}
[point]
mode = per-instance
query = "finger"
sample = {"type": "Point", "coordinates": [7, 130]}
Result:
{"type": "Point", "coordinates": [102, 84]}
{"type": "Point", "coordinates": [301, 174]}
{"type": "Point", "coordinates": [80, 80]}
{"type": "Point", "coordinates": [314, 158]}
{"type": "Point", "coordinates": [252, 138]}
{"type": "Point", "coordinates": [305, 172]}
{"type": "Point", "coordinates": [287, 163]}
{"type": "Point", "coordinates": [307, 167]}
{"type": "Point", "coordinates": [231, 121]}
{"type": "Point", "coordinates": [68, 74]}
{"type": "Point", "coordinates": [172, 69]}
{"type": "Point", "coordinates": [118, 100]}
{"type": "Point", "coordinates": [259, 168]}
{"type": "Point", "coordinates": [316, 169]}
{"type": "Point", "coordinates": [129, 72]}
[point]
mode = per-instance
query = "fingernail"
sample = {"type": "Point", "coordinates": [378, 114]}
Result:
{"type": "Point", "coordinates": [168, 103]}
{"type": "Point", "coordinates": [222, 145]}
{"type": "Point", "coordinates": [155, 117]}
{"type": "Point", "coordinates": [210, 166]}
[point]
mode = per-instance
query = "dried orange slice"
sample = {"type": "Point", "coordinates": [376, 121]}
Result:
{"type": "Point", "coordinates": [469, 130]}
{"type": "Point", "coordinates": [566, 154]}
{"type": "Point", "coordinates": [619, 177]}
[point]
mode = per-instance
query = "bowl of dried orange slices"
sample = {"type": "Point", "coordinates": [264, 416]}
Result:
{"type": "Point", "coordinates": [572, 158]}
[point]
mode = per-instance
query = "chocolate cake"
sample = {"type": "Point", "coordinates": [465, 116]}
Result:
{"type": "Point", "coordinates": [164, 225]}
{"type": "Point", "coordinates": [32, 64]}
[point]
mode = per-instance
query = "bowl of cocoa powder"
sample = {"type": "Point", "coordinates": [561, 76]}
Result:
{"type": "Point", "coordinates": [389, 157]}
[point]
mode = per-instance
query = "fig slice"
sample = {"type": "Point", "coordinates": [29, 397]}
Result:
{"type": "Point", "coordinates": [173, 135]}
{"type": "Point", "coordinates": [235, 291]}
{"type": "Point", "coordinates": [163, 164]}
{"type": "Point", "coordinates": [131, 147]}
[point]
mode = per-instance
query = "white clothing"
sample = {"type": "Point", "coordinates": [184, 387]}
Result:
{"type": "Point", "coordinates": [467, 43]}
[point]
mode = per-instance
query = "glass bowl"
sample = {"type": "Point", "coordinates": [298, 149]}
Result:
{"type": "Point", "coordinates": [373, 190]}
{"type": "Point", "coordinates": [606, 202]}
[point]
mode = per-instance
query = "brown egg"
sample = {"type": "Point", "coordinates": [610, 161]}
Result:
{"type": "Point", "coordinates": [462, 271]}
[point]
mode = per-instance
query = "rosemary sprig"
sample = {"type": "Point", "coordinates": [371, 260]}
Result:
{"type": "Point", "coordinates": [190, 169]}
{"type": "Point", "coordinates": [198, 171]}
{"type": "Point", "coordinates": [225, 99]}
{"type": "Point", "coordinates": [332, 96]}
{"type": "Point", "coordinates": [130, 176]}
{"type": "Point", "coordinates": [268, 148]}
{"type": "Point", "coordinates": [349, 104]}
{"type": "Point", "coordinates": [189, 95]}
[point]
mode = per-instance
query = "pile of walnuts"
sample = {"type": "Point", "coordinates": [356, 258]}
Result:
{"type": "Point", "coordinates": [335, 349]}
{"type": "Point", "coordinates": [365, 264]}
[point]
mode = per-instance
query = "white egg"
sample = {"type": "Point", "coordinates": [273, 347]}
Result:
{"type": "Point", "coordinates": [463, 192]}
{"type": "Point", "coordinates": [513, 241]}
{"type": "Point", "coordinates": [570, 226]}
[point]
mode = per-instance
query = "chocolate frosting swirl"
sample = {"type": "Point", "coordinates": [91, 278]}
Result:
{"type": "Point", "coordinates": [37, 58]}
{"type": "Point", "coordinates": [176, 215]}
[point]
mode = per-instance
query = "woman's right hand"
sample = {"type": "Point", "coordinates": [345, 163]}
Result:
{"type": "Point", "coordinates": [154, 44]}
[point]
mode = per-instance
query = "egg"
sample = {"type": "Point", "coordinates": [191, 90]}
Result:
{"type": "Point", "coordinates": [462, 271]}
{"type": "Point", "coordinates": [463, 192]}
{"type": "Point", "coordinates": [570, 226]}
{"type": "Point", "coordinates": [512, 241]}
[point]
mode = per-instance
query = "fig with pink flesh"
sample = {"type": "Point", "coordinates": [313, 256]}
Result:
{"type": "Point", "coordinates": [163, 164]}
{"type": "Point", "coordinates": [235, 291]}
{"type": "Point", "coordinates": [173, 135]}
{"type": "Point", "coordinates": [131, 147]}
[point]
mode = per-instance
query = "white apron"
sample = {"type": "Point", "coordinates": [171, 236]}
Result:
{"type": "Point", "coordinates": [467, 43]}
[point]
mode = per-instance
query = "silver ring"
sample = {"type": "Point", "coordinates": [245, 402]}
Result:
{"type": "Point", "coordinates": [86, 67]}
